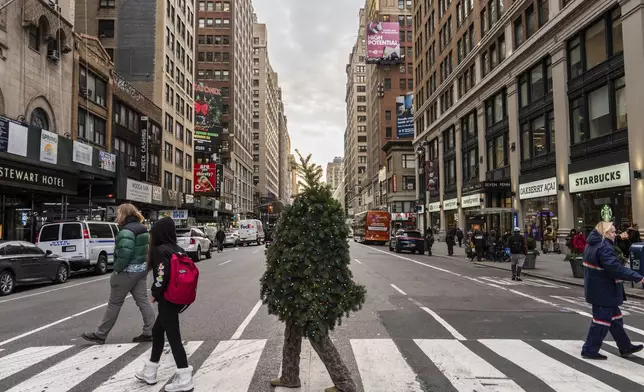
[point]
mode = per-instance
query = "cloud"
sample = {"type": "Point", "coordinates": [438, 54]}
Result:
{"type": "Point", "coordinates": [309, 43]}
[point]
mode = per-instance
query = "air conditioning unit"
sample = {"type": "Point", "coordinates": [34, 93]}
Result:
{"type": "Point", "coordinates": [85, 92]}
{"type": "Point", "coordinates": [132, 163]}
{"type": "Point", "coordinates": [53, 55]}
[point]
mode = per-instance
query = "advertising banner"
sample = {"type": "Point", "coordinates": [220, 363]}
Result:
{"type": "Point", "coordinates": [174, 214]}
{"type": "Point", "coordinates": [431, 176]}
{"type": "Point", "coordinates": [107, 161]}
{"type": "Point", "coordinates": [138, 191]}
{"type": "Point", "coordinates": [205, 179]}
{"type": "Point", "coordinates": [209, 142]}
{"type": "Point", "coordinates": [208, 107]}
{"type": "Point", "coordinates": [48, 147]}
{"type": "Point", "coordinates": [405, 116]}
{"type": "Point", "coordinates": [383, 42]}
{"type": "Point", "coordinates": [82, 153]}
{"type": "Point", "coordinates": [144, 146]}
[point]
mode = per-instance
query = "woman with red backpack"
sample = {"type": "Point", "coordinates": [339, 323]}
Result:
{"type": "Point", "coordinates": [174, 289]}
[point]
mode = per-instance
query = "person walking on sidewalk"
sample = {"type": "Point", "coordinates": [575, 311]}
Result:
{"type": "Point", "coordinates": [604, 290]}
{"type": "Point", "coordinates": [221, 238]}
{"type": "Point", "coordinates": [162, 248]}
{"type": "Point", "coordinates": [129, 276]}
{"type": "Point", "coordinates": [450, 241]}
{"type": "Point", "coordinates": [518, 250]}
{"type": "Point", "coordinates": [459, 235]}
{"type": "Point", "coordinates": [429, 241]}
{"type": "Point", "coordinates": [479, 244]}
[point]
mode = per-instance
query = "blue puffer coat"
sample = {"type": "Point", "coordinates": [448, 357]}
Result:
{"type": "Point", "coordinates": [602, 271]}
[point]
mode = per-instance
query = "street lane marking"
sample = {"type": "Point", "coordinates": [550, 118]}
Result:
{"type": "Point", "coordinates": [525, 282]}
{"type": "Point", "coordinates": [614, 364]}
{"type": "Point", "coordinates": [230, 367]}
{"type": "Point", "coordinates": [465, 370]}
{"type": "Point", "coordinates": [67, 374]}
{"type": "Point", "coordinates": [246, 321]}
{"type": "Point", "coordinates": [124, 381]}
{"type": "Point", "coordinates": [397, 289]}
{"type": "Point", "coordinates": [358, 261]}
{"type": "Point", "coordinates": [382, 367]}
{"type": "Point", "coordinates": [255, 251]}
{"type": "Point", "coordinates": [18, 361]}
{"type": "Point", "coordinates": [444, 323]}
{"type": "Point", "coordinates": [313, 373]}
{"type": "Point", "coordinates": [557, 375]}
{"type": "Point", "coordinates": [53, 290]}
{"type": "Point", "coordinates": [225, 262]}
{"type": "Point", "coordinates": [33, 331]}
{"type": "Point", "coordinates": [414, 261]}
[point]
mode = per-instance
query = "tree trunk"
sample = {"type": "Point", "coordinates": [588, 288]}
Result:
{"type": "Point", "coordinates": [331, 358]}
{"type": "Point", "coordinates": [291, 356]}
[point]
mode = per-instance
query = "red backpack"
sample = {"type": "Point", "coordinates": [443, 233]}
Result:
{"type": "Point", "coordinates": [184, 276]}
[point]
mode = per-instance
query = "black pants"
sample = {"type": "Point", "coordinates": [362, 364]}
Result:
{"type": "Point", "coordinates": [450, 248]}
{"type": "Point", "coordinates": [460, 242]}
{"type": "Point", "coordinates": [479, 253]}
{"type": "Point", "coordinates": [167, 323]}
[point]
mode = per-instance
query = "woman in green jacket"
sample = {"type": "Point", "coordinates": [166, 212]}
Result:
{"type": "Point", "coordinates": [129, 277]}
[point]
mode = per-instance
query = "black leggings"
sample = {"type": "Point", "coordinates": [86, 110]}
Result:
{"type": "Point", "coordinates": [167, 323]}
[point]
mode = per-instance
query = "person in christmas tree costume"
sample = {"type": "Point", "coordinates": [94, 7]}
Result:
{"type": "Point", "coordinates": [307, 282]}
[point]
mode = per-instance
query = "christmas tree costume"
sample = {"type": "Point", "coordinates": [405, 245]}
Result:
{"type": "Point", "coordinates": [307, 282]}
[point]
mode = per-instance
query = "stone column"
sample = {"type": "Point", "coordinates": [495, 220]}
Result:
{"type": "Point", "coordinates": [633, 31]}
{"type": "Point", "coordinates": [562, 139]}
{"type": "Point", "coordinates": [441, 182]}
{"type": "Point", "coordinates": [513, 139]}
{"type": "Point", "coordinates": [555, 7]}
{"type": "Point", "coordinates": [459, 170]}
{"type": "Point", "coordinates": [482, 158]}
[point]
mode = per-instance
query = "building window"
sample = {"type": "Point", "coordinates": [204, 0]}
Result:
{"type": "Point", "coordinates": [535, 83]}
{"type": "Point", "coordinates": [388, 132]}
{"type": "Point", "coordinates": [449, 140]}
{"type": "Point", "coordinates": [409, 182]}
{"type": "Point", "coordinates": [538, 136]}
{"type": "Point", "coordinates": [470, 164]}
{"type": "Point", "coordinates": [34, 37]}
{"type": "Point", "coordinates": [92, 87]}
{"type": "Point", "coordinates": [518, 32]}
{"type": "Point", "coordinates": [450, 171]}
{"type": "Point", "coordinates": [39, 119]}
{"type": "Point", "coordinates": [107, 3]}
{"type": "Point", "coordinates": [167, 152]}
{"type": "Point", "coordinates": [388, 115]}
{"type": "Point", "coordinates": [106, 28]}
{"type": "Point", "coordinates": [91, 127]}
{"type": "Point", "coordinates": [408, 161]}
{"type": "Point", "coordinates": [167, 181]}
{"type": "Point", "coordinates": [495, 109]}
{"type": "Point", "coordinates": [468, 126]}
{"type": "Point", "coordinates": [189, 186]}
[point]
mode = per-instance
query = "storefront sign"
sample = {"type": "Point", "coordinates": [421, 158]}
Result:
{"type": "Point", "coordinates": [21, 175]}
{"type": "Point", "coordinates": [107, 161]}
{"type": "Point", "coordinates": [541, 188]}
{"type": "Point", "coordinates": [174, 214]}
{"type": "Point", "coordinates": [451, 204]}
{"type": "Point", "coordinates": [382, 174]}
{"type": "Point", "coordinates": [488, 186]}
{"type": "Point", "coordinates": [228, 207]}
{"type": "Point", "coordinates": [48, 147]}
{"type": "Point", "coordinates": [606, 213]}
{"type": "Point", "coordinates": [205, 178]}
{"type": "Point", "coordinates": [82, 153]}
{"type": "Point", "coordinates": [157, 193]}
{"type": "Point", "coordinates": [395, 183]}
{"type": "Point", "coordinates": [471, 201]}
{"type": "Point", "coordinates": [138, 191]}
{"type": "Point", "coordinates": [602, 178]}
{"type": "Point", "coordinates": [144, 144]}
{"type": "Point", "coordinates": [435, 207]}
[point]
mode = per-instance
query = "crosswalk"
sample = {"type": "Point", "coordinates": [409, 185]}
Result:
{"type": "Point", "coordinates": [379, 365]}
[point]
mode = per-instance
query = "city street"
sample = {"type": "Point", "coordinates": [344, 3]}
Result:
{"type": "Point", "coordinates": [429, 324]}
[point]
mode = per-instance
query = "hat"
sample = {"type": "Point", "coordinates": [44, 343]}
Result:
{"type": "Point", "coordinates": [517, 229]}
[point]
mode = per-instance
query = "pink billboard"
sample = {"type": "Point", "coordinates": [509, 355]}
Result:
{"type": "Point", "coordinates": [383, 43]}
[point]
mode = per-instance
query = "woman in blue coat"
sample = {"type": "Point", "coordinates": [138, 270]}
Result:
{"type": "Point", "coordinates": [603, 276]}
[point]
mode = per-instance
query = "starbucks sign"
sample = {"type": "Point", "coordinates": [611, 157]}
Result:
{"type": "Point", "coordinates": [602, 178]}
{"type": "Point", "coordinates": [606, 213]}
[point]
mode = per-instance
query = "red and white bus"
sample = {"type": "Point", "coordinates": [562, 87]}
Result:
{"type": "Point", "coordinates": [371, 227]}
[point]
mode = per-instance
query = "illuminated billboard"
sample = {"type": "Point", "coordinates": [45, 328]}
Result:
{"type": "Point", "coordinates": [405, 116]}
{"type": "Point", "coordinates": [383, 43]}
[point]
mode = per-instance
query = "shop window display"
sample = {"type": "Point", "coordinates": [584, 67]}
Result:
{"type": "Point", "coordinates": [612, 205]}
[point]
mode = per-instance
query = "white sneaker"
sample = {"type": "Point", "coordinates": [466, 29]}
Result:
{"type": "Point", "coordinates": [149, 373]}
{"type": "Point", "coordinates": [182, 381]}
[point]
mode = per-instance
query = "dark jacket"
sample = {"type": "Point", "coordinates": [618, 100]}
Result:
{"type": "Point", "coordinates": [449, 238]}
{"type": "Point", "coordinates": [220, 236]}
{"type": "Point", "coordinates": [602, 269]}
{"type": "Point", "coordinates": [514, 249]}
{"type": "Point", "coordinates": [132, 245]}
{"type": "Point", "coordinates": [163, 244]}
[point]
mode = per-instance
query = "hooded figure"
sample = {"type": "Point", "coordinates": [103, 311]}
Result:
{"type": "Point", "coordinates": [163, 245]}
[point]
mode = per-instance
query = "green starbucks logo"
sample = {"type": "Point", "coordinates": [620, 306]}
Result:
{"type": "Point", "coordinates": [606, 213]}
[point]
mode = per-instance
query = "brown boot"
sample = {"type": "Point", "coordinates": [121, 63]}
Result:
{"type": "Point", "coordinates": [278, 383]}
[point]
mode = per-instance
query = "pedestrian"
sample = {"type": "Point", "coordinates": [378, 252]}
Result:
{"type": "Point", "coordinates": [129, 276]}
{"type": "Point", "coordinates": [163, 248]}
{"type": "Point", "coordinates": [459, 235]}
{"type": "Point", "coordinates": [429, 241]}
{"type": "Point", "coordinates": [569, 239]}
{"type": "Point", "coordinates": [518, 251]}
{"type": "Point", "coordinates": [604, 290]}
{"type": "Point", "coordinates": [634, 233]}
{"type": "Point", "coordinates": [479, 244]}
{"type": "Point", "coordinates": [579, 242]}
{"type": "Point", "coordinates": [450, 241]}
{"type": "Point", "coordinates": [221, 238]}
{"type": "Point", "coordinates": [548, 238]}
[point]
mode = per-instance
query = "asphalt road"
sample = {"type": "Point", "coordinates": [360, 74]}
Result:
{"type": "Point", "coordinates": [429, 323]}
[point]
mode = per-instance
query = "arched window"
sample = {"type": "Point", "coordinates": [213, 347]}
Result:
{"type": "Point", "coordinates": [39, 118]}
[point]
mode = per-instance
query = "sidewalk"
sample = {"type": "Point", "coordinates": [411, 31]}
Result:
{"type": "Point", "coordinates": [548, 266]}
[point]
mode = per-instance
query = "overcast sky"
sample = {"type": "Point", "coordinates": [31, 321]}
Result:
{"type": "Point", "coordinates": [309, 43]}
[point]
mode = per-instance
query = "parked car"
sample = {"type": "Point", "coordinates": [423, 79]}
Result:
{"type": "Point", "coordinates": [194, 242]}
{"type": "Point", "coordinates": [251, 231]}
{"type": "Point", "coordinates": [232, 238]}
{"type": "Point", "coordinates": [410, 240]}
{"type": "Point", "coordinates": [84, 244]}
{"type": "Point", "coordinates": [24, 263]}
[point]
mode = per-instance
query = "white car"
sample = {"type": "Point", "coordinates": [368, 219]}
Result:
{"type": "Point", "coordinates": [85, 245]}
{"type": "Point", "coordinates": [194, 242]}
{"type": "Point", "coordinates": [232, 238]}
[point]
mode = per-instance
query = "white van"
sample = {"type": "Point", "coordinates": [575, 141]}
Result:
{"type": "Point", "coordinates": [251, 231]}
{"type": "Point", "coordinates": [86, 244]}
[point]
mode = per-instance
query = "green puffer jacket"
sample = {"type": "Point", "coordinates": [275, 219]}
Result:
{"type": "Point", "coordinates": [132, 245]}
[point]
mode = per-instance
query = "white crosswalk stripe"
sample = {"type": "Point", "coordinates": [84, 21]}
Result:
{"type": "Point", "coordinates": [381, 364]}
